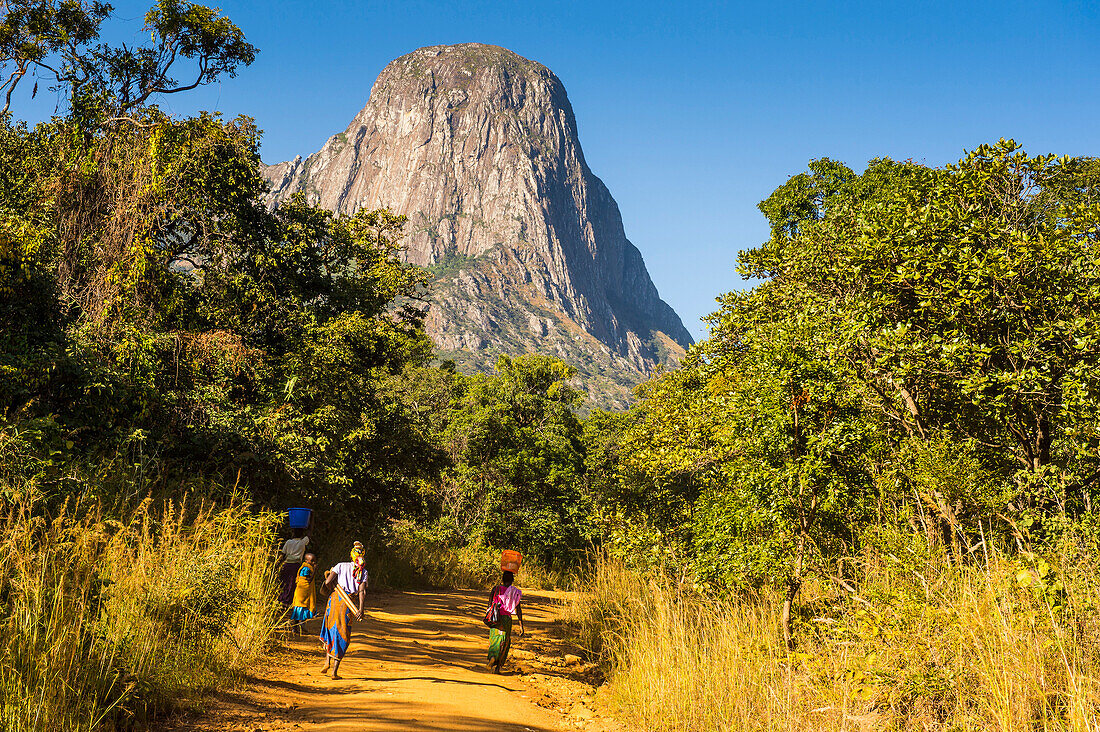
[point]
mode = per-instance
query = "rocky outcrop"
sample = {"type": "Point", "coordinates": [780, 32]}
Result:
{"type": "Point", "coordinates": [478, 147]}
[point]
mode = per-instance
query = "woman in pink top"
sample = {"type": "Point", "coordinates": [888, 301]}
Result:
{"type": "Point", "coordinates": [508, 597]}
{"type": "Point", "coordinates": [345, 581]}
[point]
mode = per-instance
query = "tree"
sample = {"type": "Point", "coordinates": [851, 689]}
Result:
{"type": "Point", "coordinates": [760, 440]}
{"type": "Point", "coordinates": [966, 301]}
{"type": "Point", "coordinates": [55, 38]}
{"type": "Point", "coordinates": [156, 313]}
{"type": "Point", "coordinates": [517, 460]}
{"type": "Point", "coordinates": [34, 31]}
{"type": "Point", "coordinates": [919, 333]}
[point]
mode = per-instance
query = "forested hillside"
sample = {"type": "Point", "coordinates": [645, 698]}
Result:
{"type": "Point", "coordinates": [872, 491]}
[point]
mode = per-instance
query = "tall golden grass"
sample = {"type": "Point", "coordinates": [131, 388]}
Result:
{"type": "Point", "coordinates": [104, 623]}
{"type": "Point", "coordinates": [1012, 645]}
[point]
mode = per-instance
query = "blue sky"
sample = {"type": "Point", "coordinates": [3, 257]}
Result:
{"type": "Point", "coordinates": [692, 112]}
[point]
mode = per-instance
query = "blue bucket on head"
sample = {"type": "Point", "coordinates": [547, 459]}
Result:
{"type": "Point", "coordinates": [299, 517]}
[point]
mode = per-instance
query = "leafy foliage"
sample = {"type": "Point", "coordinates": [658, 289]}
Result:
{"type": "Point", "coordinates": [515, 470]}
{"type": "Point", "coordinates": [57, 39]}
{"type": "Point", "coordinates": [157, 314]}
{"type": "Point", "coordinates": [924, 344]}
{"type": "Point", "coordinates": [160, 322]}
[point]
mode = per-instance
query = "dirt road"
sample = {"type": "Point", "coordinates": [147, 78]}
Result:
{"type": "Point", "coordinates": [417, 663]}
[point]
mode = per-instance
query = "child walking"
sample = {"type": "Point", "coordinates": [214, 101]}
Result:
{"type": "Point", "coordinates": [304, 605]}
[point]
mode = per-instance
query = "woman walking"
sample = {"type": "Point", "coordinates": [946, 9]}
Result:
{"type": "Point", "coordinates": [507, 597]}
{"type": "Point", "coordinates": [345, 581]}
{"type": "Point", "coordinates": [291, 555]}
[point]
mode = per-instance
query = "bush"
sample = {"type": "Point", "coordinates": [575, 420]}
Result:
{"type": "Point", "coordinates": [419, 555]}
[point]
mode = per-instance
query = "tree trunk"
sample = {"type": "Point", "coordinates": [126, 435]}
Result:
{"type": "Point", "coordinates": [794, 584]}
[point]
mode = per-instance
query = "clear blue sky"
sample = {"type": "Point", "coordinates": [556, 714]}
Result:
{"type": "Point", "coordinates": [692, 112]}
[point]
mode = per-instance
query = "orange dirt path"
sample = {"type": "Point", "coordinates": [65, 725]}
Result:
{"type": "Point", "coordinates": [417, 663]}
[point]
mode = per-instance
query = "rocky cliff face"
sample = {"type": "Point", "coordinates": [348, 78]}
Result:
{"type": "Point", "coordinates": [478, 147]}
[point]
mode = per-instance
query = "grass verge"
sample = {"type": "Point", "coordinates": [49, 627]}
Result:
{"type": "Point", "coordinates": [104, 623]}
{"type": "Point", "coordinates": [1011, 645]}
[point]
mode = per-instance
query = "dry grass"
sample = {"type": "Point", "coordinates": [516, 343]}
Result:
{"type": "Point", "coordinates": [104, 623]}
{"type": "Point", "coordinates": [955, 649]}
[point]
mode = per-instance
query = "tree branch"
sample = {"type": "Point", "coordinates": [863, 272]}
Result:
{"type": "Point", "coordinates": [851, 590]}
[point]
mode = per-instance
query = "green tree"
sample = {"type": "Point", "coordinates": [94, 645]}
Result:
{"type": "Point", "coordinates": [517, 459]}
{"type": "Point", "coordinates": [752, 455]}
{"type": "Point", "coordinates": [918, 333]}
{"type": "Point", "coordinates": [157, 315]}
{"type": "Point", "coordinates": [965, 300]}
{"type": "Point", "coordinates": [57, 39]}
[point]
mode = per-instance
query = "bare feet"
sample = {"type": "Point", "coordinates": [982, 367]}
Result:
{"type": "Point", "coordinates": [324, 669]}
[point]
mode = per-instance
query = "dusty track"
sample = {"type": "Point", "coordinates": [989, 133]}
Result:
{"type": "Point", "coordinates": [417, 663]}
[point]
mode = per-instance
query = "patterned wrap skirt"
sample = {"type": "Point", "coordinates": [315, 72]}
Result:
{"type": "Point", "coordinates": [335, 634]}
{"type": "Point", "coordinates": [303, 606]}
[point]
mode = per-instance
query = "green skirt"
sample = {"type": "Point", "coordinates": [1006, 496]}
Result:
{"type": "Point", "coordinates": [500, 640]}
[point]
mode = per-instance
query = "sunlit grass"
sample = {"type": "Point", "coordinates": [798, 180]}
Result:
{"type": "Point", "coordinates": [416, 557]}
{"type": "Point", "coordinates": [975, 648]}
{"type": "Point", "coordinates": [104, 622]}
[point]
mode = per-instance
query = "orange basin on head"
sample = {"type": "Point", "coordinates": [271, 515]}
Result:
{"type": "Point", "coordinates": [510, 560]}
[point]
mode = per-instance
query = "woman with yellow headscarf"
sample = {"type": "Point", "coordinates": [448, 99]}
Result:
{"type": "Point", "coordinates": [346, 580]}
